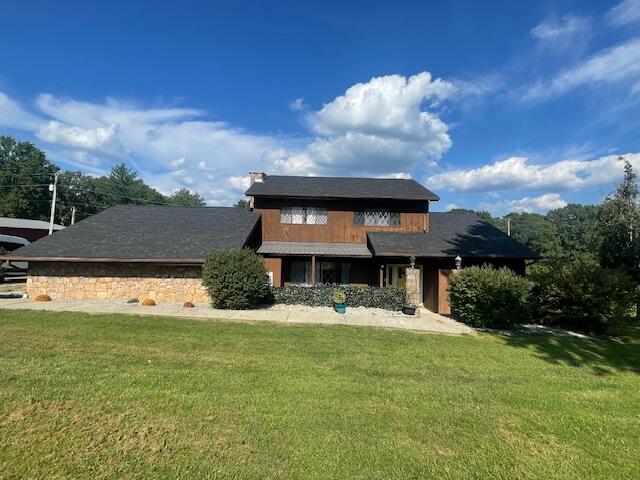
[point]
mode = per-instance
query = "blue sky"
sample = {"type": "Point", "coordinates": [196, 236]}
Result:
{"type": "Point", "coordinates": [505, 106]}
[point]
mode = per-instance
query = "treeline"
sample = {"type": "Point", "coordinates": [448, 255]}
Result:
{"type": "Point", "coordinates": [26, 173]}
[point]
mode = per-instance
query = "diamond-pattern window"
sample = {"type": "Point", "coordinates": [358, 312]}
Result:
{"type": "Point", "coordinates": [297, 215]}
{"type": "Point", "coordinates": [376, 218]}
{"type": "Point", "coordinates": [303, 215]}
{"type": "Point", "coordinates": [285, 215]}
{"type": "Point", "coordinates": [321, 216]}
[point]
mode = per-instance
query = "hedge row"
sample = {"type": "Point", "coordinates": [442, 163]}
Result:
{"type": "Point", "coordinates": [373, 297]}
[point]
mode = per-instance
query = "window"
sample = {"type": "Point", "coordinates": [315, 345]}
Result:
{"type": "Point", "coordinates": [379, 218]}
{"type": "Point", "coordinates": [303, 215]}
{"type": "Point", "coordinates": [301, 272]}
{"type": "Point", "coordinates": [333, 273]}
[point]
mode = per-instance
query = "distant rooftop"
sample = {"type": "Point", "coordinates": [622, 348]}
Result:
{"type": "Point", "coordinates": [26, 223]}
{"type": "Point", "coordinates": [341, 187]}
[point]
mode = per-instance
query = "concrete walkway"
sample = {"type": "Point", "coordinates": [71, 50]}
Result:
{"type": "Point", "coordinates": [426, 322]}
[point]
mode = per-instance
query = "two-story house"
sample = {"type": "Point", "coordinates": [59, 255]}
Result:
{"type": "Point", "coordinates": [370, 231]}
{"type": "Point", "coordinates": [309, 230]}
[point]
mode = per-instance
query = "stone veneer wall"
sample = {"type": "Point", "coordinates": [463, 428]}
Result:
{"type": "Point", "coordinates": [116, 281]}
{"type": "Point", "coordinates": [412, 286]}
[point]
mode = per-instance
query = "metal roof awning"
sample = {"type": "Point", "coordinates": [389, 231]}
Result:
{"type": "Point", "coordinates": [320, 249]}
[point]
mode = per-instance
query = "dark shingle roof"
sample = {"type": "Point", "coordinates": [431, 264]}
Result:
{"type": "Point", "coordinates": [151, 233]}
{"type": "Point", "coordinates": [450, 234]}
{"type": "Point", "coordinates": [341, 187]}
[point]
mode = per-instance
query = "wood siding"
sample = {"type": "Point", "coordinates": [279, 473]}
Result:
{"type": "Point", "coordinates": [274, 265]}
{"type": "Point", "coordinates": [340, 227]}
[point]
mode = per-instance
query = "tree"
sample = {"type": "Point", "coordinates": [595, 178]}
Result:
{"type": "Point", "coordinates": [242, 203]}
{"type": "Point", "coordinates": [76, 190]}
{"type": "Point", "coordinates": [619, 222]}
{"type": "Point", "coordinates": [122, 186]}
{"type": "Point", "coordinates": [535, 231]}
{"type": "Point", "coordinates": [186, 198]}
{"type": "Point", "coordinates": [576, 229]}
{"type": "Point", "coordinates": [25, 174]}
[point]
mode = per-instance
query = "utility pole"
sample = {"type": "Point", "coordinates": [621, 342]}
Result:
{"type": "Point", "coordinates": [53, 188]}
{"type": "Point", "coordinates": [73, 215]}
{"type": "Point", "coordinates": [508, 226]}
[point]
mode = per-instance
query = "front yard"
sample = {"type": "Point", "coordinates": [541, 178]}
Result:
{"type": "Point", "coordinates": [118, 396]}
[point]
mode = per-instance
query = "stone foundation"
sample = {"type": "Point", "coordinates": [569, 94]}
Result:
{"type": "Point", "coordinates": [112, 281]}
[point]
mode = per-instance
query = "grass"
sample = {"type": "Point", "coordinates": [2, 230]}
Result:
{"type": "Point", "coordinates": [126, 397]}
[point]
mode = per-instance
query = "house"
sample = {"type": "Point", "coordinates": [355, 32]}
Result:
{"type": "Point", "coordinates": [309, 230]}
{"type": "Point", "coordinates": [370, 231]}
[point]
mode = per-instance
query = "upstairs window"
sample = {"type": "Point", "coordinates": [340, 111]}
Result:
{"type": "Point", "coordinates": [376, 218]}
{"type": "Point", "coordinates": [303, 215]}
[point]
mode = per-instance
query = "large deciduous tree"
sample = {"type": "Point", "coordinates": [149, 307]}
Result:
{"type": "Point", "coordinates": [25, 174]}
{"type": "Point", "coordinates": [620, 226]}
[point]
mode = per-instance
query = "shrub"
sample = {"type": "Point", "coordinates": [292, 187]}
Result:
{"type": "Point", "coordinates": [148, 302]}
{"type": "Point", "coordinates": [339, 297]}
{"type": "Point", "coordinates": [133, 300]}
{"type": "Point", "coordinates": [372, 297]}
{"type": "Point", "coordinates": [579, 294]}
{"type": "Point", "coordinates": [43, 297]}
{"type": "Point", "coordinates": [188, 305]}
{"type": "Point", "coordinates": [486, 297]}
{"type": "Point", "coordinates": [235, 279]}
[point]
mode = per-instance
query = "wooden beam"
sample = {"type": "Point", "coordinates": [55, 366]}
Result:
{"type": "Point", "coordinates": [313, 270]}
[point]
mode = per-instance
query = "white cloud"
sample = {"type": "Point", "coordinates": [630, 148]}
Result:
{"type": "Point", "coordinates": [624, 13]}
{"type": "Point", "coordinates": [239, 183]}
{"type": "Point", "coordinates": [562, 33]}
{"type": "Point", "coordinates": [375, 128]}
{"type": "Point", "coordinates": [100, 139]}
{"type": "Point", "coordinates": [518, 173]}
{"type": "Point", "coordinates": [618, 64]}
{"type": "Point", "coordinates": [12, 115]}
{"type": "Point", "coordinates": [542, 203]}
{"type": "Point", "coordinates": [451, 206]}
{"type": "Point", "coordinates": [297, 105]}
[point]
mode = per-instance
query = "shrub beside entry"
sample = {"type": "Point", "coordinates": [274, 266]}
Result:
{"type": "Point", "coordinates": [486, 297]}
{"type": "Point", "coordinates": [373, 297]}
{"type": "Point", "coordinates": [235, 279]}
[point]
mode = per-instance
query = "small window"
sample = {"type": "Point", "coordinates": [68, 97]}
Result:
{"type": "Point", "coordinates": [376, 218]}
{"type": "Point", "coordinates": [303, 215]}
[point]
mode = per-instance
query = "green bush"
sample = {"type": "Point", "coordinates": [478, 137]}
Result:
{"type": "Point", "coordinates": [486, 297]}
{"type": "Point", "coordinates": [235, 279]}
{"type": "Point", "coordinates": [373, 297]}
{"type": "Point", "coordinates": [579, 294]}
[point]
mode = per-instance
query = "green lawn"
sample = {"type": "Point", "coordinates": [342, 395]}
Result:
{"type": "Point", "coordinates": [126, 397]}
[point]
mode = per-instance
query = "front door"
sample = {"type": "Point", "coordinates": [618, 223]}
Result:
{"type": "Point", "coordinates": [395, 276]}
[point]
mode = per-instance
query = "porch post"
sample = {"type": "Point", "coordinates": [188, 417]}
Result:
{"type": "Point", "coordinates": [313, 270]}
{"type": "Point", "coordinates": [381, 276]}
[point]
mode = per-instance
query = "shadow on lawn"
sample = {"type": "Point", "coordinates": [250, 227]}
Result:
{"type": "Point", "coordinates": [604, 356]}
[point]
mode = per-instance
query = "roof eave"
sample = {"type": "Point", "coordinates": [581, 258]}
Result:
{"type": "Point", "coordinates": [165, 261]}
{"type": "Point", "coordinates": [425, 198]}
